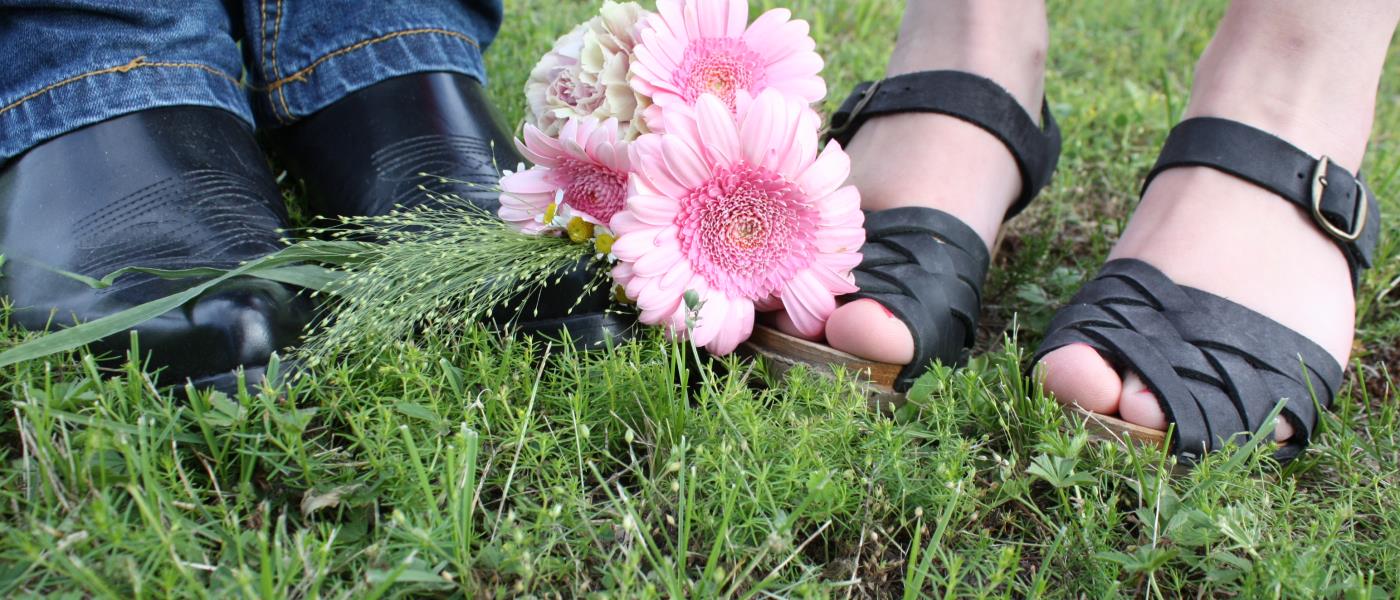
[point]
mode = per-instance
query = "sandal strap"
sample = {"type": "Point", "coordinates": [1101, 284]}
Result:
{"type": "Point", "coordinates": [927, 267]}
{"type": "Point", "coordinates": [977, 100]}
{"type": "Point", "coordinates": [1340, 203]}
{"type": "Point", "coordinates": [1217, 367]}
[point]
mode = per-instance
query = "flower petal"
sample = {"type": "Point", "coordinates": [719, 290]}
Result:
{"type": "Point", "coordinates": [669, 18]}
{"type": "Point", "coordinates": [839, 262]}
{"type": "Point", "coordinates": [653, 210]}
{"type": "Point", "coordinates": [783, 41]}
{"type": "Point", "coordinates": [632, 246]}
{"type": "Point", "coordinates": [808, 303]}
{"type": "Point", "coordinates": [827, 173]}
{"type": "Point", "coordinates": [737, 327]}
{"type": "Point", "coordinates": [534, 180]}
{"type": "Point", "coordinates": [539, 148]}
{"type": "Point", "coordinates": [835, 283]}
{"type": "Point", "coordinates": [714, 307]}
{"type": "Point", "coordinates": [768, 304]}
{"type": "Point", "coordinates": [839, 239]}
{"type": "Point", "coordinates": [679, 276]}
{"type": "Point", "coordinates": [841, 208]}
{"type": "Point", "coordinates": [685, 165]}
{"type": "Point", "coordinates": [649, 168]}
{"type": "Point", "coordinates": [718, 133]}
{"type": "Point", "coordinates": [657, 262]}
{"type": "Point", "coordinates": [761, 127]}
{"type": "Point", "coordinates": [767, 26]}
{"type": "Point", "coordinates": [738, 18]}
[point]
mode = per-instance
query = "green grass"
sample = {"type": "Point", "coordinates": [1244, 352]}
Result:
{"type": "Point", "coordinates": [472, 466]}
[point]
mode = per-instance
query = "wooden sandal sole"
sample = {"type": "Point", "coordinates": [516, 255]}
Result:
{"type": "Point", "coordinates": [1108, 428]}
{"type": "Point", "coordinates": [782, 352]}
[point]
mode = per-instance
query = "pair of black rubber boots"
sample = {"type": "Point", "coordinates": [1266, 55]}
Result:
{"type": "Point", "coordinates": [183, 187]}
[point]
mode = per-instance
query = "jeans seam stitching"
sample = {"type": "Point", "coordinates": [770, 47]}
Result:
{"type": "Point", "coordinates": [277, 68]}
{"type": "Point", "coordinates": [135, 63]}
{"type": "Point", "coordinates": [300, 75]}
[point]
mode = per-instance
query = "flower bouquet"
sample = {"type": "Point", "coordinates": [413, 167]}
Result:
{"type": "Point", "coordinates": [677, 148]}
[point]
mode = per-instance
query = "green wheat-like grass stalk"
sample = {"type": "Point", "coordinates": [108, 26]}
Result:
{"type": "Point", "coordinates": [443, 267]}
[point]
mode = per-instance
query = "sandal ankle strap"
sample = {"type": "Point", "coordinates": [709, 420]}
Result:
{"type": "Point", "coordinates": [1339, 202]}
{"type": "Point", "coordinates": [964, 96]}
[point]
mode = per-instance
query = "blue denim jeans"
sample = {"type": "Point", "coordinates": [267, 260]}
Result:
{"type": "Point", "coordinates": [69, 63]}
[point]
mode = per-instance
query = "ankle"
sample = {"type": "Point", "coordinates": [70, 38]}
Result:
{"type": "Point", "coordinates": [1003, 40]}
{"type": "Point", "coordinates": [935, 161]}
{"type": "Point", "coordinates": [938, 161]}
{"type": "Point", "coordinates": [1281, 67]}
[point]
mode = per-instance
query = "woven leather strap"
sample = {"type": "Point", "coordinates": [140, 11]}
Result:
{"type": "Point", "coordinates": [1217, 368]}
{"type": "Point", "coordinates": [926, 266]}
{"type": "Point", "coordinates": [965, 96]}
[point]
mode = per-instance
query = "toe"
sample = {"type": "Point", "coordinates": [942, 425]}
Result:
{"type": "Point", "coordinates": [1077, 375]}
{"type": "Point", "coordinates": [1139, 406]}
{"type": "Point", "coordinates": [869, 330]}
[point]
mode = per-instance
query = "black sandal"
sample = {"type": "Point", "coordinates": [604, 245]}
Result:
{"type": "Point", "coordinates": [925, 265]}
{"type": "Point", "coordinates": [1218, 368]}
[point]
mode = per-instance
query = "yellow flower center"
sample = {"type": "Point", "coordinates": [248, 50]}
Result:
{"type": "Point", "coordinates": [604, 243]}
{"type": "Point", "coordinates": [579, 230]}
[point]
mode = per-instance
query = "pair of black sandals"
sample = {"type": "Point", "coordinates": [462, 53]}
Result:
{"type": "Point", "coordinates": [1218, 368]}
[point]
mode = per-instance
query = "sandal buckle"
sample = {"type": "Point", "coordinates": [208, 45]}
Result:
{"type": "Point", "coordinates": [835, 130]}
{"type": "Point", "coordinates": [1319, 187]}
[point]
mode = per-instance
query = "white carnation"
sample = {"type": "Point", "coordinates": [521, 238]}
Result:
{"type": "Point", "coordinates": [585, 74]}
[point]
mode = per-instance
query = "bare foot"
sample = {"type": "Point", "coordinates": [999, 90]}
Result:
{"type": "Point", "coordinates": [1282, 68]}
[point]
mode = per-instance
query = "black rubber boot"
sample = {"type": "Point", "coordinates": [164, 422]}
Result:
{"type": "Point", "coordinates": [368, 152]}
{"type": "Point", "coordinates": [168, 188]}
{"type": "Point", "coordinates": [378, 148]}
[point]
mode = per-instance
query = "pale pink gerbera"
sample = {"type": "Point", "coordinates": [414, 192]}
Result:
{"type": "Point", "coordinates": [739, 208]}
{"type": "Point", "coordinates": [694, 47]}
{"type": "Point", "coordinates": [581, 174]}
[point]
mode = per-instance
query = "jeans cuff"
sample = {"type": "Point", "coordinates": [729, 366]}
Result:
{"type": "Point", "coordinates": [365, 63]}
{"type": "Point", "coordinates": [101, 94]}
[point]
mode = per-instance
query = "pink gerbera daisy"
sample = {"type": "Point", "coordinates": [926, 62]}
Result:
{"type": "Point", "coordinates": [693, 47]}
{"type": "Point", "coordinates": [581, 174]}
{"type": "Point", "coordinates": [739, 208]}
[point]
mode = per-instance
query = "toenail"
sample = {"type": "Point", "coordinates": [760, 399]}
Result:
{"type": "Point", "coordinates": [882, 307]}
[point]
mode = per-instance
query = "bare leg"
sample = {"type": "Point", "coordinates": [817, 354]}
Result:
{"type": "Point", "coordinates": [938, 161]}
{"type": "Point", "coordinates": [1307, 72]}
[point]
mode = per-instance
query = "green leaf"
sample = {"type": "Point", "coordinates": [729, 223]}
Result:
{"type": "Point", "coordinates": [404, 576]}
{"type": "Point", "coordinates": [1233, 568]}
{"type": "Point", "coordinates": [311, 277]}
{"type": "Point", "coordinates": [1145, 560]}
{"type": "Point", "coordinates": [924, 388]}
{"type": "Point", "coordinates": [337, 253]}
{"type": "Point", "coordinates": [1058, 472]}
{"type": "Point", "coordinates": [161, 273]}
{"type": "Point", "coordinates": [454, 378]}
{"type": "Point", "coordinates": [417, 411]}
{"type": "Point", "coordinates": [1192, 528]}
